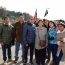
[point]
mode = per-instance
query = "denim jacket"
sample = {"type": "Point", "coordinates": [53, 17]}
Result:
{"type": "Point", "coordinates": [52, 36]}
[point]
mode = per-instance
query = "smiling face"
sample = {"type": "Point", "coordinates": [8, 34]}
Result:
{"type": "Point", "coordinates": [61, 27]}
{"type": "Point", "coordinates": [40, 23]}
{"type": "Point", "coordinates": [51, 25]}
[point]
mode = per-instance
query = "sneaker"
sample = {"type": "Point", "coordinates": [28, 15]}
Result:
{"type": "Point", "coordinates": [47, 61]}
{"type": "Point", "coordinates": [52, 63]}
{"type": "Point", "coordinates": [5, 63]}
{"type": "Point", "coordinates": [15, 61]}
{"type": "Point", "coordinates": [23, 61]}
{"type": "Point", "coordinates": [31, 62]}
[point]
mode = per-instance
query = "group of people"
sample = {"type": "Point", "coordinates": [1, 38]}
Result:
{"type": "Point", "coordinates": [40, 37]}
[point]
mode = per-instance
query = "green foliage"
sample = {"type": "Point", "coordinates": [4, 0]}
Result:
{"type": "Point", "coordinates": [1, 20]}
{"type": "Point", "coordinates": [2, 12]}
{"type": "Point", "coordinates": [26, 16]}
{"type": "Point", "coordinates": [14, 15]}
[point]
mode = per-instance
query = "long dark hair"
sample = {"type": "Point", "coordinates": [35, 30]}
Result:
{"type": "Point", "coordinates": [39, 22]}
{"type": "Point", "coordinates": [53, 23]}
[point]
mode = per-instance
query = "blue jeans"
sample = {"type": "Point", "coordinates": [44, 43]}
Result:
{"type": "Point", "coordinates": [59, 57]}
{"type": "Point", "coordinates": [17, 46]}
{"type": "Point", "coordinates": [6, 49]}
{"type": "Point", "coordinates": [53, 48]}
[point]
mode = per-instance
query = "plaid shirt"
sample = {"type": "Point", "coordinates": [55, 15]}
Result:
{"type": "Point", "coordinates": [5, 33]}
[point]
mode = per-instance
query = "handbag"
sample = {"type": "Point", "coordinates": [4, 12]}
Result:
{"type": "Point", "coordinates": [42, 43]}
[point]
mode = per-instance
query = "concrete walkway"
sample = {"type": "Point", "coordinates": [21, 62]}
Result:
{"type": "Point", "coordinates": [20, 59]}
{"type": "Point", "coordinates": [13, 54]}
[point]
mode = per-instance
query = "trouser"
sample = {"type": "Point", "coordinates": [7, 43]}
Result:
{"type": "Point", "coordinates": [40, 55]}
{"type": "Point", "coordinates": [17, 47]}
{"type": "Point", "coordinates": [48, 53]}
{"type": "Point", "coordinates": [59, 57]}
{"type": "Point", "coordinates": [31, 46]}
{"type": "Point", "coordinates": [6, 49]}
{"type": "Point", "coordinates": [53, 49]}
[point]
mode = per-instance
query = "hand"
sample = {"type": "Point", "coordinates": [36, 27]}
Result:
{"type": "Point", "coordinates": [60, 44]}
{"type": "Point", "coordinates": [61, 39]}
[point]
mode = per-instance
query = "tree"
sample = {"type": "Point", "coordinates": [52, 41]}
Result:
{"type": "Point", "coordinates": [26, 16]}
{"type": "Point", "coordinates": [2, 12]}
{"type": "Point", "coordinates": [14, 15]}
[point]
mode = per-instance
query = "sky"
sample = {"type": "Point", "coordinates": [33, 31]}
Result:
{"type": "Point", "coordinates": [56, 8]}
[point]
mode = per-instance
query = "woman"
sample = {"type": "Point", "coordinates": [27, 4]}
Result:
{"type": "Point", "coordinates": [52, 40]}
{"type": "Point", "coordinates": [61, 41]}
{"type": "Point", "coordinates": [40, 43]}
{"type": "Point", "coordinates": [48, 55]}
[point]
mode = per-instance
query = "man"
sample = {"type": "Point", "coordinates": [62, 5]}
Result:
{"type": "Point", "coordinates": [29, 39]}
{"type": "Point", "coordinates": [5, 39]}
{"type": "Point", "coordinates": [18, 30]}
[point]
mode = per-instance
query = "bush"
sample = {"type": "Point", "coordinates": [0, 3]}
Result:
{"type": "Point", "coordinates": [1, 20]}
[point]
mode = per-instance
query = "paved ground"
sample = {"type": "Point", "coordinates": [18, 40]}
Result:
{"type": "Point", "coordinates": [19, 61]}
{"type": "Point", "coordinates": [13, 54]}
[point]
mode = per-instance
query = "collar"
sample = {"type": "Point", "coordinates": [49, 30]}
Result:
{"type": "Point", "coordinates": [29, 23]}
{"type": "Point", "coordinates": [60, 31]}
{"type": "Point", "coordinates": [51, 28]}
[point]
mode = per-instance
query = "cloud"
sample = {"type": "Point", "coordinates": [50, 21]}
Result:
{"type": "Point", "coordinates": [56, 11]}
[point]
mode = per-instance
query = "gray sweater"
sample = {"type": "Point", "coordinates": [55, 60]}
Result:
{"type": "Point", "coordinates": [42, 33]}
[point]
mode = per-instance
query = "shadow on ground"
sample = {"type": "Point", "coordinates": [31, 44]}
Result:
{"type": "Point", "coordinates": [20, 63]}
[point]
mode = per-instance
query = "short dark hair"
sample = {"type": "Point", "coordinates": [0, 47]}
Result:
{"type": "Point", "coordinates": [6, 17]}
